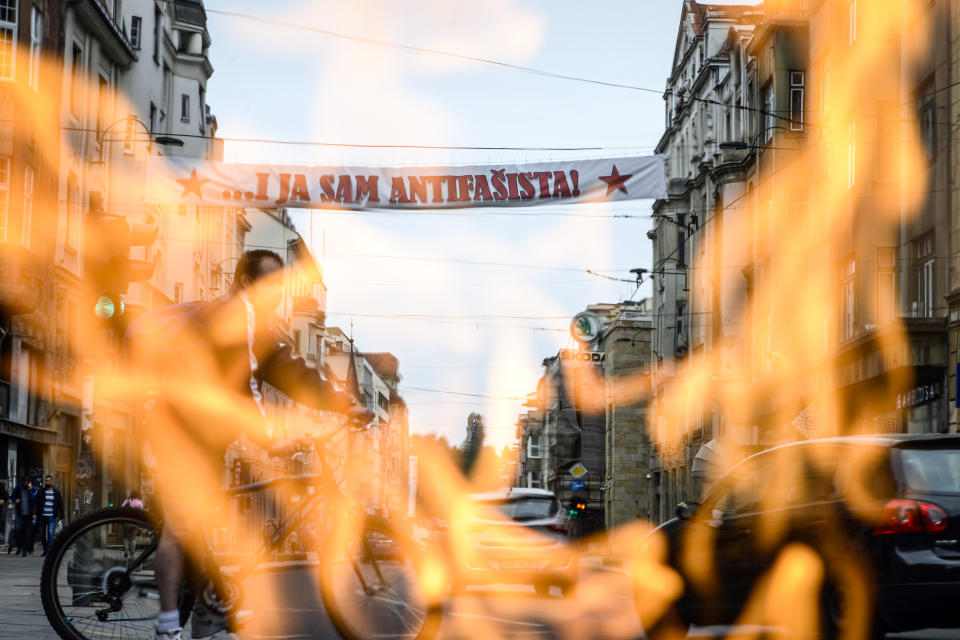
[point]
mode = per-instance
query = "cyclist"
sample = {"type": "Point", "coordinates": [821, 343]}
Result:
{"type": "Point", "coordinates": [205, 362]}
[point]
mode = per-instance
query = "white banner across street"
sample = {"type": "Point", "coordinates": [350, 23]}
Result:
{"type": "Point", "coordinates": [188, 181]}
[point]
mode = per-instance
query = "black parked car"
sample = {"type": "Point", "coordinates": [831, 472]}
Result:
{"type": "Point", "coordinates": [881, 512]}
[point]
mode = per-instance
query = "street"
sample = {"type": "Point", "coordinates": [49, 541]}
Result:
{"type": "Point", "coordinates": [292, 609]}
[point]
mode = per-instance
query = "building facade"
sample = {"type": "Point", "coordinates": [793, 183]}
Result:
{"type": "Point", "coordinates": [815, 286]}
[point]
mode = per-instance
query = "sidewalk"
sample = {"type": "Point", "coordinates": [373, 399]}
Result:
{"type": "Point", "coordinates": [20, 607]}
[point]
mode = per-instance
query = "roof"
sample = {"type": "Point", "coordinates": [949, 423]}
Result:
{"type": "Point", "coordinates": [876, 439]}
{"type": "Point", "coordinates": [384, 363]}
{"type": "Point", "coordinates": [512, 493]}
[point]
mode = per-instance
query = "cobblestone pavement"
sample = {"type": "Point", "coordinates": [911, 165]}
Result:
{"type": "Point", "coordinates": [21, 614]}
{"type": "Point", "coordinates": [22, 618]}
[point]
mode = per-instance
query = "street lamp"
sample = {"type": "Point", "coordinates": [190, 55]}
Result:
{"type": "Point", "coordinates": [161, 140]}
{"type": "Point", "coordinates": [738, 145]}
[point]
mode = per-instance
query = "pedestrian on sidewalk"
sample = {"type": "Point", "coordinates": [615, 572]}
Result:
{"type": "Point", "coordinates": [134, 501]}
{"type": "Point", "coordinates": [3, 514]}
{"type": "Point", "coordinates": [25, 505]}
{"type": "Point", "coordinates": [51, 512]}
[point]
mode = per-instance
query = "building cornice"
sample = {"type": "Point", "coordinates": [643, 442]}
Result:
{"type": "Point", "coordinates": [93, 15]}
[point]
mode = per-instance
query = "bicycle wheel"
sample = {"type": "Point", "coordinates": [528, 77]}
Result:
{"type": "Point", "coordinates": [98, 578]}
{"type": "Point", "coordinates": [370, 584]}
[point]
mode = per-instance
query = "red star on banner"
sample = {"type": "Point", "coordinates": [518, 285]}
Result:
{"type": "Point", "coordinates": [193, 184]}
{"type": "Point", "coordinates": [615, 180]}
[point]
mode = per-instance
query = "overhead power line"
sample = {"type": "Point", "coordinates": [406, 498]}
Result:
{"type": "Point", "coordinates": [477, 262]}
{"type": "Point", "coordinates": [489, 61]}
{"type": "Point", "coordinates": [461, 393]}
{"type": "Point", "coordinates": [427, 51]}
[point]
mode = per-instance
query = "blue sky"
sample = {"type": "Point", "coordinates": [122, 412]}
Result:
{"type": "Point", "coordinates": [274, 82]}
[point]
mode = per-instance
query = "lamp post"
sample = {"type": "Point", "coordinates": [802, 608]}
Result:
{"type": "Point", "coordinates": [102, 137]}
{"type": "Point", "coordinates": [738, 145]}
{"type": "Point", "coordinates": [161, 140]}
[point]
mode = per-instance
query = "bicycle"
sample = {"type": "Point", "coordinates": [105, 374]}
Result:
{"type": "Point", "coordinates": [370, 583]}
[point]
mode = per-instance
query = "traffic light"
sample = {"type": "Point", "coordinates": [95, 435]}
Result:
{"type": "Point", "coordinates": [576, 508]}
{"type": "Point", "coordinates": [109, 267]}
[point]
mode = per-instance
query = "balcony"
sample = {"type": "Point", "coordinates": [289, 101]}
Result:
{"type": "Point", "coordinates": [305, 304]}
{"type": "Point", "coordinates": [20, 282]}
{"type": "Point", "coordinates": [190, 12]}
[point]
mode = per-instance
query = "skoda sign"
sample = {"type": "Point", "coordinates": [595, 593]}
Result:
{"type": "Point", "coordinates": [585, 327]}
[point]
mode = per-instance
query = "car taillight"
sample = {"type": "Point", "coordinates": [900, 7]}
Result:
{"type": "Point", "coordinates": [560, 526]}
{"type": "Point", "coordinates": [911, 516]}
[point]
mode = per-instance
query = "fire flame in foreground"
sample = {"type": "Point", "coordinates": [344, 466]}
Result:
{"type": "Point", "coordinates": [815, 199]}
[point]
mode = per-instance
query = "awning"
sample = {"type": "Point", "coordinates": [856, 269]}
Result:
{"type": "Point", "coordinates": [711, 459]}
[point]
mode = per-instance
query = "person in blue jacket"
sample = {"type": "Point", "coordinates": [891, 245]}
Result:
{"type": "Point", "coordinates": [24, 499]}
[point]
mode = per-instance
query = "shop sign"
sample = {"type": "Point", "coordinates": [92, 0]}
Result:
{"type": "Point", "coordinates": [918, 395]}
{"type": "Point", "coordinates": [586, 327]}
{"type": "Point", "coordinates": [595, 357]}
{"type": "Point", "coordinates": [237, 473]}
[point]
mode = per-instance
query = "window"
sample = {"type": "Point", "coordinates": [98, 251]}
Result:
{"type": "Point", "coordinates": [8, 38]}
{"type": "Point", "coordinates": [129, 131]}
{"type": "Point", "coordinates": [25, 397]}
{"type": "Point", "coordinates": [27, 218]}
{"type": "Point", "coordinates": [851, 155]}
{"type": "Point", "coordinates": [184, 108]}
{"type": "Point", "coordinates": [382, 401]}
{"type": "Point", "coordinates": [72, 236]}
{"type": "Point", "coordinates": [927, 111]}
{"type": "Point", "coordinates": [534, 444]}
{"type": "Point", "coordinates": [888, 139]}
{"type": "Point", "coordinates": [203, 108]}
{"type": "Point", "coordinates": [886, 284]}
{"type": "Point", "coordinates": [76, 69]}
{"type": "Point", "coordinates": [797, 81]}
{"type": "Point", "coordinates": [931, 470]}
{"type": "Point", "coordinates": [153, 118]}
{"type": "Point", "coordinates": [744, 490]}
{"type": "Point", "coordinates": [136, 27]}
{"type": "Point", "coordinates": [103, 99]}
{"type": "Point", "coordinates": [824, 92]}
{"type": "Point", "coordinates": [533, 480]}
{"type": "Point", "coordinates": [848, 274]}
{"type": "Point", "coordinates": [36, 41]}
{"type": "Point", "coordinates": [852, 22]}
{"type": "Point", "coordinates": [177, 292]}
{"type": "Point", "coordinates": [769, 116]}
{"type": "Point", "coordinates": [923, 305]}
{"type": "Point", "coordinates": [156, 33]}
{"type": "Point", "coordinates": [166, 97]}
{"type": "Point", "coordinates": [4, 196]}
{"type": "Point", "coordinates": [680, 323]}
{"type": "Point", "coordinates": [681, 240]}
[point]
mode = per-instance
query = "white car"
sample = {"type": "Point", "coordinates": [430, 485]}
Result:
{"type": "Point", "coordinates": [519, 536]}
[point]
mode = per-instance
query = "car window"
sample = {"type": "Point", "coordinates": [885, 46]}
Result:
{"type": "Point", "coordinates": [933, 470]}
{"type": "Point", "coordinates": [743, 490]}
{"type": "Point", "coordinates": [527, 508]}
{"type": "Point", "coordinates": [780, 479]}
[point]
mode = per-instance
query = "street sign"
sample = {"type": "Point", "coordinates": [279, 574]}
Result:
{"type": "Point", "coordinates": [578, 470]}
{"type": "Point", "coordinates": [577, 485]}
